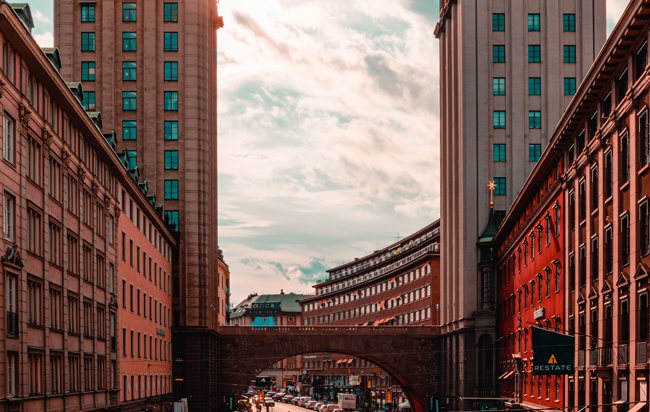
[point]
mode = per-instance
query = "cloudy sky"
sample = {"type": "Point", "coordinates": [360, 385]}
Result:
{"type": "Point", "coordinates": [328, 132]}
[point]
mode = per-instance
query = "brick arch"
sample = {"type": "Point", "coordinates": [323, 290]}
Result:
{"type": "Point", "coordinates": [410, 354]}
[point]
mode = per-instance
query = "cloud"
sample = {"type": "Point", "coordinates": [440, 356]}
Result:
{"type": "Point", "coordinates": [45, 39]}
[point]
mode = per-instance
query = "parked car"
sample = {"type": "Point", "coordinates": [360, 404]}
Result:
{"type": "Point", "coordinates": [331, 407]}
{"type": "Point", "coordinates": [317, 405]}
{"type": "Point", "coordinates": [303, 400]}
{"type": "Point", "coordinates": [269, 402]}
{"type": "Point", "coordinates": [278, 396]}
{"type": "Point", "coordinates": [310, 404]}
{"type": "Point", "coordinates": [287, 398]}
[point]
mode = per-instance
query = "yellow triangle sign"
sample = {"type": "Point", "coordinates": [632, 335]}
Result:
{"type": "Point", "coordinates": [552, 360]}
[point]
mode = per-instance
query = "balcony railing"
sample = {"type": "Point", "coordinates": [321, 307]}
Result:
{"type": "Point", "coordinates": [623, 354]}
{"type": "Point", "coordinates": [593, 357]}
{"type": "Point", "coordinates": [641, 352]}
{"type": "Point", "coordinates": [605, 357]}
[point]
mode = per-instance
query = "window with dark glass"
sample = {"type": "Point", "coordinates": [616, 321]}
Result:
{"type": "Point", "coordinates": [534, 86]}
{"type": "Point", "coordinates": [88, 41]}
{"type": "Point", "coordinates": [534, 53]}
{"type": "Point", "coordinates": [644, 140]}
{"type": "Point", "coordinates": [534, 119]}
{"type": "Point", "coordinates": [582, 265]}
{"type": "Point", "coordinates": [129, 41]}
{"type": "Point", "coordinates": [129, 71]}
{"type": "Point", "coordinates": [533, 22]}
{"type": "Point", "coordinates": [594, 258]}
{"type": "Point", "coordinates": [172, 219]}
{"type": "Point", "coordinates": [582, 200]}
{"type": "Point", "coordinates": [642, 320]}
{"type": "Point", "coordinates": [572, 272]}
{"type": "Point", "coordinates": [129, 130]}
{"type": "Point", "coordinates": [644, 229]}
{"type": "Point", "coordinates": [170, 41]}
{"type": "Point", "coordinates": [621, 86]}
{"type": "Point", "coordinates": [609, 249]}
{"type": "Point", "coordinates": [640, 61]}
{"type": "Point", "coordinates": [171, 130]}
{"type": "Point", "coordinates": [500, 189]}
{"type": "Point", "coordinates": [569, 53]}
{"type": "Point", "coordinates": [88, 100]}
{"type": "Point", "coordinates": [498, 22]}
{"type": "Point", "coordinates": [498, 86]}
{"type": "Point", "coordinates": [171, 71]}
{"type": "Point", "coordinates": [498, 53]}
{"type": "Point", "coordinates": [170, 12]}
{"type": "Point", "coordinates": [129, 101]}
{"type": "Point", "coordinates": [499, 119]}
{"type": "Point", "coordinates": [499, 152]}
{"type": "Point", "coordinates": [572, 210]}
{"type": "Point", "coordinates": [624, 323]}
{"type": "Point", "coordinates": [129, 13]}
{"type": "Point", "coordinates": [624, 240]}
{"type": "Point", "coordinates": [534, 152]}
{"type": "Point", "coordinates": [569, 22]}
{"type": "Point", "coordinates": [88, 71]}
{"type": "Point", "coordinates": [606, 106]}
{"type": "Point", "coordinates": [171, 159]}
{"type": "Point", "coordinates": [592, 125]}
{"type": "Point", "coordinates": [624, 159]}
{"type": "Point", "coordinates": [171, 101]}
{"type": "Point", "coordinates": [594, 187]}
{"type": "Point", "coordinates": [87, 13]}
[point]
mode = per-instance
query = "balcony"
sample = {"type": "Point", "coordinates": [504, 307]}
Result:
{"type": "Point", "coordinates": [593, 357]}
{"type": "Point", "coordinates": [605, 356]}
{"type": "Point", "coordinates": [623, 356]}
{"type": "Point", "coordinates": [641, 352]}
{"type": "Point", "coordinates": [581, 357]}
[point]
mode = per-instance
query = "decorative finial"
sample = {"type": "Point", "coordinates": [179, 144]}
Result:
{"type": "Point", "coordinates": [491, 186]}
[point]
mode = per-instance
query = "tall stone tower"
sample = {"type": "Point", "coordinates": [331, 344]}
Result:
{"type": "Point", "coordinates": [507, 71]}
{"type": "Point", "coordinates": [150, 68]}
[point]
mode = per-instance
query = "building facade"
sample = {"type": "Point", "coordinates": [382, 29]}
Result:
{"type": "Point", "coordinates": [393, 286]}
{"type": "Point", "coordinates": [489, 50]}
{"type": "Point", "coordinates": [281, 309]}
{"type": "Point", "coordinates": [62, 189]}
{"type": "Point", "coordinates": [150, 67]}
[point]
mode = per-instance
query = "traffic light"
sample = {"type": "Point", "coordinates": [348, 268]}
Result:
{"type": "Point", "coordinates": [389, 396]}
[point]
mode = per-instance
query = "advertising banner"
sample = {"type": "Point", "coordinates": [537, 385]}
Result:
{"type": "Point", "coordinates": [552, 352]}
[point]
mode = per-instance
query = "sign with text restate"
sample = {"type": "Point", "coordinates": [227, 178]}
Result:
{"type": "Point", "coordinates": [552, 352]}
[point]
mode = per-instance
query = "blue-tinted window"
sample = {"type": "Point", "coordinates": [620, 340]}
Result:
{"type": "Point", "coordinates": [569, 86]}
{"type": "Point", "coordinates": [534, 119]}
{"type": "Point", "coordinates": [88, 71]}
{"type": "Point", "coordinates": [171, 189]}
{"type": "Point", "coordinates": [498, 53]}
{"type": "Point", "coordinates": [171, 71]}
{"type": "Point", "coordinates": [569, 53]}
{"type": "Point", "coordinates": [87, 13]}
{"type": "Point", "coordinates": [129, 101]}
{"type": "Point", "coordinates": [129, 41]}
{"type": "Point", "coordinates": [129, 71]}
{"type": "Point", "coordinates": [499, 86]}
{"type": "Point", "coordinates": [171, 41]}
{"type": "Point", "coordinates": [499, 119]}
{"type": "Point", "coordinates": [131, 159]}
{"type": "Point", "coordinates": [171, 130]}
{"type": "Point", "coordinates": [172, 219]}
{"type": "Point", "coordinates": [88, 41]}
{"type": "Point", "coordinates": [171, 101]}
{"type": "Point", "coordinates": [129, 12]}
{"type": "Point", "coordinates": [569, 22]}
{"type": "Point", "coordinates": [533, 22]}
{"type": "Point", "coordinates": [171, 159]}
{"type": "Point", "coordinates": [129, 130]}
{"type": "Point", "coordinates": [499, 152]}
{"type": "Point", "coordinates": [534, 152]}
{"type": "Point", "coordinates": [534, 86]}
{"type": "Point", "coordinates": [89, 100]}
{"type": "Point", "coordinates": [500, 186]}
{"type": "Point", "coordinates": [170, 12]}
{"type": "Point", "coordinates": [498, 22]}
{"type": "Point", "coordinates": [534, 53]}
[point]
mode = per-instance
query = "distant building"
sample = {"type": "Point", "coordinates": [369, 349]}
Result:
{"type": "Point", "coordinates": [393, 286]}
{"type": "Point", "coordinates": [78, 227]}
{"type": "Point", "coordinates": [281, 309]}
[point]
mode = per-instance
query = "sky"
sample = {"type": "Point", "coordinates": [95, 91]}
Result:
{"type": "Point", "coordinates": [328, 132]}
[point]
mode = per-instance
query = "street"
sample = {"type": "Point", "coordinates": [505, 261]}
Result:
{"type": "Point", "coordinates": [286, 407]}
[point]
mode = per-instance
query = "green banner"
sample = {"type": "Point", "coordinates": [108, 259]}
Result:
{"type": "Point", "coordinates": [552, 352]}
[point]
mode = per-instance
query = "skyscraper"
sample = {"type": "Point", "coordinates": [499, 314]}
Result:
{"type": "Point", "coordinates": [150, 68]}
{"type": "Point", "coordinates": [508, 69]}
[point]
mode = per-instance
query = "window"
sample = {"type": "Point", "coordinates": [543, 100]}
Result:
{"type": "Point", "coordinates": [34, 303]}
{"type": "Point", "coordinates": [73, 255]}
{"type": "Point", "coordinates": [88, 71]}
{"type": "Point", "coordinates": [569, 22]}
{"type": "Point", "coordinates": [129, 71]}
{"type": "Point", "coordinates": [534, 86]}
{"type": "Point", "coordinates": [34, 230]}
{"type": "Point", "coordinates": [170, 12]}
{"type": "Point", "coordinates": [534, 119]}
{"type": "Point", "coordinates": [55, 244]}
{"type": "Point", "coordinates": [36, 373]}
{"type": "Point", "coordinates": [9, 217]}
{"type": "Point", "coordinates": [644, 140]}
{"type": "Point", "coordinates": [171, 130]}
{"type": "Point", "coordinates": [171, 159]}
{"type": "Point", "coordinates": [500, 186]}
{"type": "Point", "coordinates": [171, 189]}
{"type": "Point", "coordinates": [171, 101]}
{"type": "Point", "coordinates": [640, 61]}
{"type": "Point", "coordinates": [498, 22]}
{"type": "Point", "coordinates": [498, 86]}
{"type": "Point", "coordinates": [73, 314]}
{"type": "Point", "coordinates": [88, 41]}
{"type": "Point", "coordinates": [54, 189]}
{"type": "Point", "coordinates": [569, 53]}
{"type": "Point", "coordinates": [132, 160]}
{"type": "Point", "coordinates": [594, 187]}
{"type": "Point", "coordinates": [621, 86]}
{"type": "Point", "coordinates": [87, 13]}
{"type": "Point", "coordinates": [625, 158]}
{"type": "Point", "coordinates": [11, 301]}
{"type": "Point", "coordinates": [9, 138]}
{"type": "Point", "coordinates": [534, 152]}
{"type": "Point", "coordinates": [129, 130]}
{"type": "Point", "coordinates": [171, 41]}
{"type": "Point", "coordinates": [172, 219]}
{"type": "Point", "coordinates": [608, 174]}
{"type": "Point", "coordinates": [624, 241]}
{"type": "Point", "coordinates": [129, 101]}
{"type": "Point", "coordinates": [56, 371]}
{"type": "Point", "coordinates": [594, 258]}
{"type": "Point", "coordinates": [129, 41]}
{"type": "Point", "coordinates": [558, 276]}
{"type": "Point", "coordinates": [129, 12]}
{"type": "Point", "coordinates": [582, 196]}
{"type": "Point", "coordinates": [533, 21]}
{"type": "Point", "coordinates": [499, 154]}
{"type": "Point", "coordinates": [88, 100]}
{"type": "Point", "coordinates": [498, 53]}
{"type": "Point", "coordinates": [56, 309]}
{"type": "Point", "coordinates": [534, 53]}
{"type": "Point", "coordinates": [609, 249]}
{"type": "Point", "coordinates": [569, 86]}
{"type": "Point", "coordinates": [499, 119]}
{"type": "Point", "coordinates": [644, 226]}
{"type": "Point", "coordinates": [171, 71]}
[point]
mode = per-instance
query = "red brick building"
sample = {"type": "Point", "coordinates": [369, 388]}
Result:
{"type": "Point", "coordinates": [65, 218]}
{"type": "Point", "coordinates": [396, 285]}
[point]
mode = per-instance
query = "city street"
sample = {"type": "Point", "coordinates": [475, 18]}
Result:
{"type": "Point", "coordinates": [286, 407]}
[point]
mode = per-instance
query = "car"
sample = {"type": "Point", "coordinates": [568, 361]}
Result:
{"type": "Point", "coordinates": [338, 409]}
{"type": "Point", "coordinates": [287, 398]}
{"type": "Point", "coordinates": [278, 396]}
{"type": "Point", "coordinates": [331, 407]}
{"type": "Point", "coordinates": [310, 404]}
{"type": "Point", "coordinates": [269, 402]}
{"type": "Point", "coordinates": [323, 408]}
{"type": "Point", "coordinates": [317, 406]}
{"type": "Point", "coordinates": [304, 400]}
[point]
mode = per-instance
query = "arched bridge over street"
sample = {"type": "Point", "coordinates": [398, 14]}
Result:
{"type": "Point", "coordinates": [410, 354]}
